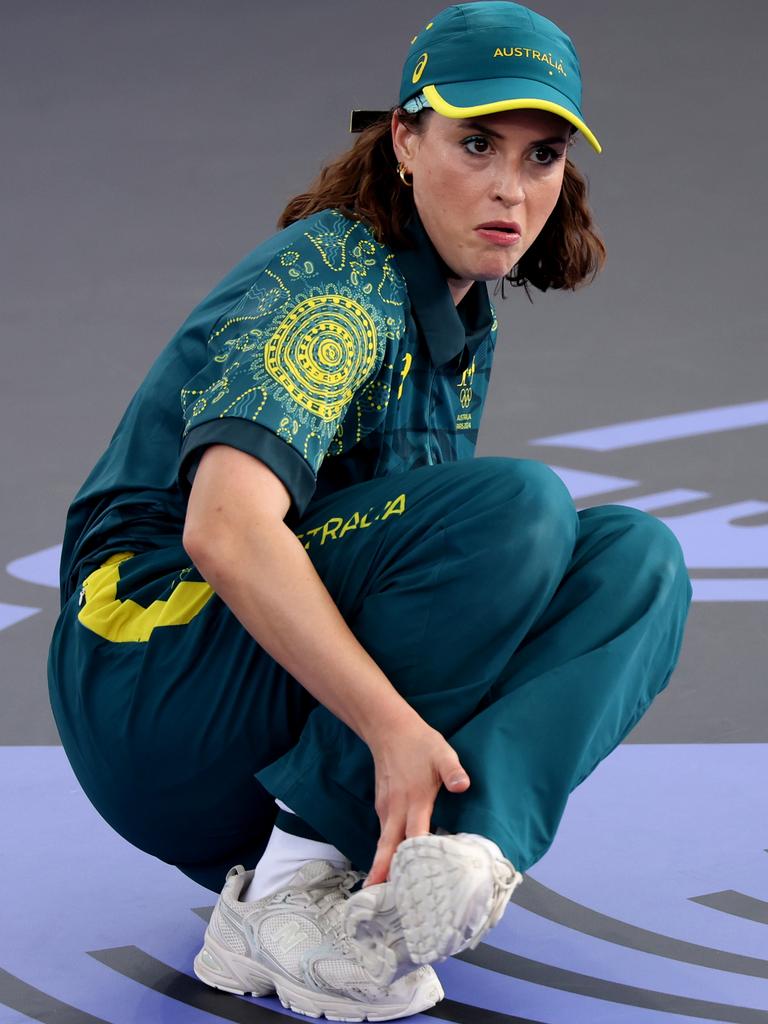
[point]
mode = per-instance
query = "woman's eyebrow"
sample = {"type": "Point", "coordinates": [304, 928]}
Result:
{"type": "Point", "coordinates": [497, 135]}
{"type": "Point", "coordinates": [551, 139]}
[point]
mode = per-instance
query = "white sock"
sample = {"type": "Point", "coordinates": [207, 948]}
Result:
{"type": "Point", "coordinates": [282, 858]}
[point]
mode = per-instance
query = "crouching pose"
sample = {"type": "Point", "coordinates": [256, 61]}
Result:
{"type": "Point", "coordinates": [311, 649]}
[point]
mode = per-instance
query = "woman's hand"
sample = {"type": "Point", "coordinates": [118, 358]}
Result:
{"type": "Point", "coordinates": [411, 762]}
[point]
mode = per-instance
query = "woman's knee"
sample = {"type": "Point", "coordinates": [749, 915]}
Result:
{"type": "Point", "coordinates": [531, 512]}
{"type": "Point", "coordinates": [648, 547]}
{"type": "Point", "coordinates": [542, 504]}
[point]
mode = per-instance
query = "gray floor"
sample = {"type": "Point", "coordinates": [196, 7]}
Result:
{"type": "Point", "coordinates": [148, 146]}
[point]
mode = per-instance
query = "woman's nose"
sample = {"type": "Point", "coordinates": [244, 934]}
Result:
{"type": "Point", "coordinates": [508, 186]}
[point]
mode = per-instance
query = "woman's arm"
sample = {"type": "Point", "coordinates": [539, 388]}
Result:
{"type": "Point", "coordinates": [235, 535]}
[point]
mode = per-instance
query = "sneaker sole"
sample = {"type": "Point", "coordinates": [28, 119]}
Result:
{"type": "Point", "coordinates": [240, 975]}
{"type": "Point", "coordinates": [426, 873]}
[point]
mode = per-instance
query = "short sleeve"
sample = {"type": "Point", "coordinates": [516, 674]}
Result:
{"type": "Point", "coordinates": [286, 362]}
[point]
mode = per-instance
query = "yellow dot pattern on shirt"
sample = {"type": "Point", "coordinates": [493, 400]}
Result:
{"type": "Point", "coordinates": [321, 352]}
{"type": "Point", "coordinates": [232, 320]}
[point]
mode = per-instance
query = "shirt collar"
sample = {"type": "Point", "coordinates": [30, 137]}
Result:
{"type": "Point", "coordinates": [447, 328]}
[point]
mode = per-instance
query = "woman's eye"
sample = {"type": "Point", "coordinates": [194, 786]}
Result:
{"type": "Point", "coordinates": [551, 156]}
{"type": "Point", "coordinates": [476, 139]}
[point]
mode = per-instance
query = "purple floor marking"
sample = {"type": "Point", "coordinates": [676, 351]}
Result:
{"type": "Point", "coordinates": [8, 1016]}
{"type": "Point", "coordinates": [524, 999]}
{"type": "Point", "coordinates": [730, 590]}
{"type": "Point", "coordinates": [663, 499]}
{"type": "Point", "coordinates": [715, 539]}
{"type": "Point", "coordinates": [673, 821]}
{"type": "Point", "coordinates": [40, 567]}
{"type": "Point", "coordinates": [583, 484]}
{"type": "Point", "coordinates": [662, 428]}
{"type": "Point", "coordinates": [10, 614]}
{"type": "Point", "coordinates": [67, 874]}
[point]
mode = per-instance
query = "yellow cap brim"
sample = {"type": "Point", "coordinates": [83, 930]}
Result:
{"type": "Point", "coordinates": [442, 106]}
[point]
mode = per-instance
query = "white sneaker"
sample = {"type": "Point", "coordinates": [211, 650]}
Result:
{"type": "Point", "coordinates": [293, 942]}
{"type": "Point", "coordinates": [444, 893]}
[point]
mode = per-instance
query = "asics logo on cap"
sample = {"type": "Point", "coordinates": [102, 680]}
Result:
{"type": "Point", "coordinates": [418, 71]}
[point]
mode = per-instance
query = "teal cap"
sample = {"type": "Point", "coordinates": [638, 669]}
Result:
{"type": "Point", "coordinates": [480, 58]}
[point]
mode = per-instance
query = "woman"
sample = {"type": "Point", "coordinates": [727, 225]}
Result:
{"type": "Point", "coordinates": [303, 630]}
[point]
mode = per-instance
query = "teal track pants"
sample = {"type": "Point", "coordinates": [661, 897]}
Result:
{"type": "Point", "coordinates": [532, 636]}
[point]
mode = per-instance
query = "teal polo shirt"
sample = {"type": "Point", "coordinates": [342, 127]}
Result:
{"type": "Point", "coordinates": [331, 357]}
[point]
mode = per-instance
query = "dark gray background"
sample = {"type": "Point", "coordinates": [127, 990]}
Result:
{"type": "Point", "coordinates": [148, 146]}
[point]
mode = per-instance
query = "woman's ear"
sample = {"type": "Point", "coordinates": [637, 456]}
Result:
{"type": "Point", "coordinates": [403, 139]}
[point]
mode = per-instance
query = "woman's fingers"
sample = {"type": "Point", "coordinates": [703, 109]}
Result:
{"type": "Point", "coordinates": [391, 835]}
{"type": "Point", "coordinates": [410, 820]}
{"type": "Point", "coordinates": [419, 819]}
{"type": "Point", "coordinates": [408, 778]}
{"type": "Point", "coordinates": [453, 775]}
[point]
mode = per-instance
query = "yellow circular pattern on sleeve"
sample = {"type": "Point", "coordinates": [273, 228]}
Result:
{"type": "Point", "coordinates": [321, 352]}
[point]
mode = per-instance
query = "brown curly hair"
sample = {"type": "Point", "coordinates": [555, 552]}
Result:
{"type": "Point", "coordinates": [363, 184]}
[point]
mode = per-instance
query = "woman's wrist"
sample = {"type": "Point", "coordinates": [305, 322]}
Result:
{"type": "Point", "coordinates": [389, 717]}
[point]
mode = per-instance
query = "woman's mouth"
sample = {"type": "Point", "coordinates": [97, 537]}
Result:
{"type": "Point", "coordinates": [500, 233]}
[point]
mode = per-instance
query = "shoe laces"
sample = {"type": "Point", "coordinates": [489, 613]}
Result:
{"type": "Point", "coordinates": [506, 880]}
{"type": "Point", "coordinates": [337, 886]}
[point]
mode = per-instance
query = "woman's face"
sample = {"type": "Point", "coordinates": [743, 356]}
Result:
{"type": "Point", "coordinates": [499, 167]}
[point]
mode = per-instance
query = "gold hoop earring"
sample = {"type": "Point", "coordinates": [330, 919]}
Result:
{"type": "Point", "coordinates": [402, 171]}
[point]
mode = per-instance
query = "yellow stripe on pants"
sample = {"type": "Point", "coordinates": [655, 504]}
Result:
{"type": "Point", "coordinates": [126, 621]}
